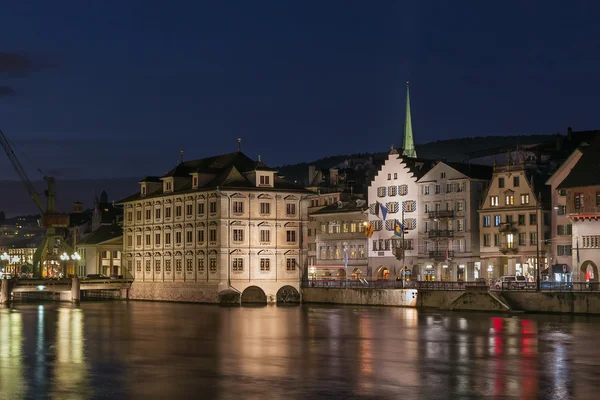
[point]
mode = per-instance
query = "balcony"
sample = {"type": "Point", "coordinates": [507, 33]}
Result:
{"type": "Point", "coordinates": [441, 214]}
{"type": "Point", "coordinates": [441, 254]}
{"type": "Point", "coordinates": [508, 227]}
{"type": "Point", "coordinates": [508, 250]}
{"type": "Point", "coordinates": [441, 234]}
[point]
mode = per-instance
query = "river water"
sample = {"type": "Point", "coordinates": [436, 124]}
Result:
{"type": "Point", "coordinates": [146, 350]}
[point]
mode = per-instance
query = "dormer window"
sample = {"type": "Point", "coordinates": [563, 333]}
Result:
{"type": "Point", "coordinates": [264, 179]}
{"type": "Point", "coordinates": [194, 181]}
{"type": "Point", "coordinates": [143, 189]}
{"type": "Point", "coordinates": [168, 185]}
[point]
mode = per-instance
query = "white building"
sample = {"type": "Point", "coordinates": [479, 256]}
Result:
{"type": "Point", "coordinates": [220, 225]}
{"type": "Point", "coordinates": [395, 186]}
{"type": "Point", "coordinates": [100, 252]}
{"type": "Point", "coordinates": [340, 241]}
{"type": "Point", "coordinates": [449, 197]}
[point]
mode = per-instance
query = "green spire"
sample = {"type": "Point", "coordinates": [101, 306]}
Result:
{"type": "Point", "coordinates": [409, 144]}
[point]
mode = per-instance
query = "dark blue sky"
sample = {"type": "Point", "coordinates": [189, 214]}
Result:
{"type": "Point", "coordinates": [115, 88]}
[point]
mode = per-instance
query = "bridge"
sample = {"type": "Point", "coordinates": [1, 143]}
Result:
{"type": "Point", "coordinates": [69, 289]}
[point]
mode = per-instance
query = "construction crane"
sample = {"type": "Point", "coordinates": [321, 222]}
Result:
{"type": "Point", "coordinates": [46, 254]}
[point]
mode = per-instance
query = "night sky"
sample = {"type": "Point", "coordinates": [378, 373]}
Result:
{"type": "Point", "coordinates": [116, 88]}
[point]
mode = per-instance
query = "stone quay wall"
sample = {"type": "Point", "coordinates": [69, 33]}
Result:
{"type": "Point", "coordinates": [554, 302]}
{"type": "Point", "coordinates": [367, 297]}
{"type": "Point", "coordinates": [192, 292]}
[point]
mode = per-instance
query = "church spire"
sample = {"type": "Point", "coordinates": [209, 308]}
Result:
{"type": "Point", "coordinates": [409, 144]}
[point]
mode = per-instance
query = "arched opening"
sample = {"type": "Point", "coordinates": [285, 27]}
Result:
{"type": "Point", "coordinates": [383, 273]}
{"type": "Point", "coordinates": [341, 273]}
{"type": "Point", "coordinates": [229, 297]}
{"type": "Point", "coordinates": [357, 273]}
{"type": "Point", "coordinates": [254, 295]}
{"type": "Point", "coordinates": [589, 271]}
{"type": "Point", "coordinates": [326, 273]}
{"type": "Point", "coordinates": [288, 294]}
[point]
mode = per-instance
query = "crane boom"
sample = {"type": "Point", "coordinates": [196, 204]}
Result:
{"type": "Point", "coordinates": [21, 172]}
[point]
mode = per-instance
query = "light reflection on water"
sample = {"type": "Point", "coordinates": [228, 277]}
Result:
{"type": "Point", "coordinates": [119, 350]}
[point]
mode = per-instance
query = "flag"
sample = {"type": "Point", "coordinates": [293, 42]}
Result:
{"type": "Point", "coordinates": [384, 211]}
{"type": "Point", "coordinates": [398, 228]}
{"type": "Point", "coordinates": [369, 231]}
{"type": "Point", "coordinates": [577, 251]}
{"type": "Point", "coordinates": [346, 260]}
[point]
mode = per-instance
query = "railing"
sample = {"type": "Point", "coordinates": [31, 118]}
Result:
{"type": "Point", "coordinates": [353, 283]}
{"type": "Point", "coordinates": [546, 286]}
{"type": "Point", "coordinates": [67, 282]}
{"type": "Point", "coordinates": [441, 233]}
{"type": "Point", "coordinates": [441, 214]}
{"type": "Point", "coordinates": [441, 254]}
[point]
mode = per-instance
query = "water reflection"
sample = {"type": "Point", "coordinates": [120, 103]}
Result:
{"type": "Point", "coordinates": [153, 350]}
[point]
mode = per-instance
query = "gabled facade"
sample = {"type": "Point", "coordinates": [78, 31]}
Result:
{"type": "Point", "coordinates": [449, 196]}
{"type": "Point", "coordinates": [226, 221]}
{"type": "Point", "coordinates": [395, 186]}
{"type": "Point", "coordinates": [514, 223]}
{"type": "Point", "coordinates": [101, 252]}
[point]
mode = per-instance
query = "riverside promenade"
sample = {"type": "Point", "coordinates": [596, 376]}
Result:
{"type": "Point", "coordinates": [574, 298]}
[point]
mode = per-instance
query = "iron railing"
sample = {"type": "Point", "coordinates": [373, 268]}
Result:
{"type": "Point", "coordinates": [441, 254]}
{"type": "Point", "coordinates": [441, 233]}
{"type": "Point", "coordinates": [441, 214]}
{"type": "Point", "coordinates": [546, 286]}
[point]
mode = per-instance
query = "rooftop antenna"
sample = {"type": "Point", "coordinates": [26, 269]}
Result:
{"type": "Point", "coordinates": [239, 144]}
{"type": "Point", "coordinates": [180, 156]}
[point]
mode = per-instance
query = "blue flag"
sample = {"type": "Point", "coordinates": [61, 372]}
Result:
{"type": "Point", "coordinates": [398, 228]}
{"type": "Point", "coordinates": [384, 211]}
{"type": "Point", "coordinates": [346, 260]}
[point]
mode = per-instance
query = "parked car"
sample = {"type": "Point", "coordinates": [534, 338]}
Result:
{"type": "Point", "coordinates": [511, 282]}
{"type": "Point", "coordinates": [96, 276]}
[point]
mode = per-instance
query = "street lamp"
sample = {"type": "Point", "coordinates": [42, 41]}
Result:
{"type": "Point", "coordinates": [64, 257]}
{"type": "Point", "coordinates": [75, 257]}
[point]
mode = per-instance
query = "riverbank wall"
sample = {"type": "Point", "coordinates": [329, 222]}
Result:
{"type": "Point", "coordinates": [367, 297]}
{"type": "Point", "coordinates": [181, 292]}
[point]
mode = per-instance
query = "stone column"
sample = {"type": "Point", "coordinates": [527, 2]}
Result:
{"type": "Point", "coordinates": [75, 290]}
{"type": "Point", "coordinates": [5, 291]}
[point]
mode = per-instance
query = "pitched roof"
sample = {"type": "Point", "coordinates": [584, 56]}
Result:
{"type": "Point", "coordinates": [587, 170]}
{"type": "Point", "coordinates": [418, 166]}
{"type": "Point", "coordinates": [102, 234]}
{"type": "Point", "coordinates": [473, 171]}
{"type": "Point", "coordinates": [227, 171]}
{"type": "Point", "coordinates": [353, 205]}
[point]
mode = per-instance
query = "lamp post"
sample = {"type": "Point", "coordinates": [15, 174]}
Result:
{"type": "Point", "coordinates": [64, 257]}
{"type": "Point", "coordinates": [5, 257]}
{"type": "Point", "coordinates": [75, 257]}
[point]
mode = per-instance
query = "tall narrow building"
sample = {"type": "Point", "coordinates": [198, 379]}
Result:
{"type": "Point", "coordinates": [409, 144]}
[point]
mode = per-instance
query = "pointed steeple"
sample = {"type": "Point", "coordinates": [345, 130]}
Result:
{"type": "Point", "coordinates": [409, 144]}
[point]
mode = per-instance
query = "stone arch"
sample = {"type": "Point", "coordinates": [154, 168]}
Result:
{"type": "Point", "coordinates": [288, 294]}
{"type": "Point", "coordinates": [588, 264]}
{"type": "Point", "coordinates": [254, 294]}
{"type": "Point", "coordinates": [229, 297]}
{"type": "Point", "coordinates": [383, 272]}
{"type": "Point", "coordinates": [356, 273]}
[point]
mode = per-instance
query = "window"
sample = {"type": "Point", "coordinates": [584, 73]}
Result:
{"type": "Point", "coordinates": [509, 219]}
{"type": "Point", "coordinates": [157, 266]}
{"type": "Point", "coordinates": [148, 266]}
{"type": "Point", "coordinates": [560, 230]}
{"type": "Point", "coordinates": [361, 251]}
{"type": "Point", "coordinates": [138, 240]}
{"type": "Point", "coordinates": [148, 239]}
{"type": "Point", "coordinates": [129, 264]}
{"type": "Point", "coordinates": [167, 238]}
{"type": "Point", "coordinates": [496, 239]}
{"type": "Point", "coordinates": [403, 190]}
{"type": "Point", "coordinates": [392, 190]}
{"type": "Point", "coordinates": [129, 216]}
{"type": "Point", "coordinates": [212, 235]}
{"type": "Point", "coordinates": [212, 265]}
{"type": "Point", "coordinates": [178, 266]}
{"type": "Point", "coordinates": [532, 238]}
{"type": "Point", "coordinates": [138, 266]}
{"type": "Point", "coordinates": [500, 182]}
{"type": "Point", "coordinates": [104, 254]}
{"type": "Point", "coordinates": [265, 265]}
{"type": "Point", "coordinates": [521, 219]}
{"type": "Point", "coordinates": [129, 241]}
{"type": "Point", "coordinates": [532, 219]}
{"type": "Point", "coordinates": [561, 210]}
{"type": "Point", "coordinates": [524, 199]}
{"type": "Point", "coordinates": [177, 237]}
{"type": "Point", "coordinates": [522, 239]}
{"type": "Point", "coordinates": [425, 189]}
{"type": "Point", "coordinates": [157, 239]}
{"type": "Point", "coordinates": [569, 229]}
{"type": "Point", "coordinates": [291, 264]}
{"type": "Point", "coordinates": [238, 235]}
{"type": "Point", "coordinates": [497, 220]}
{"type": "Point", "coordinates": [564, 250]}
{"type": "Point", "coordinates": [291, 236]}
{"type": "Point", "coordinates": [597, 199]}
{"type": "Point", "coordinates": [238, 207]}
{"type": "Point", "coordinates": [323, 252]}
{"type": "Point", "coordinates": [201, 208]}
{"type": "Point", "coordinates": [438, 189]}
{"type": "Point", "coordinates": [460, 225]}
{"type": "Point", "coordinates": [290, 209]}
{"type": "Point", "coordinates": [389, 177]}
{"type": "Point", "coordinates": [169, 187]}
{"type": "Point", "coordinates": [265, 235]}
{"type": "Point", "coordinates": [200, 235]}
{"type": "Point", "coordinates": [238, 265]}
{"type": "Point", "coordinates": [138, 215]}
{"type": "Point", "coordinates": [264, 180]}
{"type": "Point", "coordinates": [167, 212]}
{"type": "Point", "coordinates": [201, 265]}
{"type": "Point", "coordinates": [516, 181]}
{"type": "Point", "coordinates": [487, 220]}
{"type": "Point", "coordinates": [189, 267]}
{"type": "Point", "coordinates": [494, 201]}
{"type": "Point", "coordinates": [195, 181]}
{"type": "Point", "coordinates": [265, 208]}
{"type": "Point", "coordinates": [148, 214]}
{"type": "Point", "coordinates": [374, 245]}
{"type": "Point", "coordinates": [381, 191]}
{"type": "Point", "coordinates": [189, 210]}
{"type": "Point", "coordinates": [510, 200]}
{"type": "Point", "coordinates": [157, 213]}
{"type": "Point", "coordinates": [213, 207]}
{"type": "Point", "coordinates": [578, 200]}
{"type": "Point", "coordinates": [460, 206]}
{"type": "Point", "coordinates": [510, 241]}
{"type": "Point", "coordinates": [177, 211]}
{"type": "Point", "coordinates": [395, 175]}
{"type": "Point", "coordinates": [189, 236]}
{"type": "Point", "coordinates": [442, 175]}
